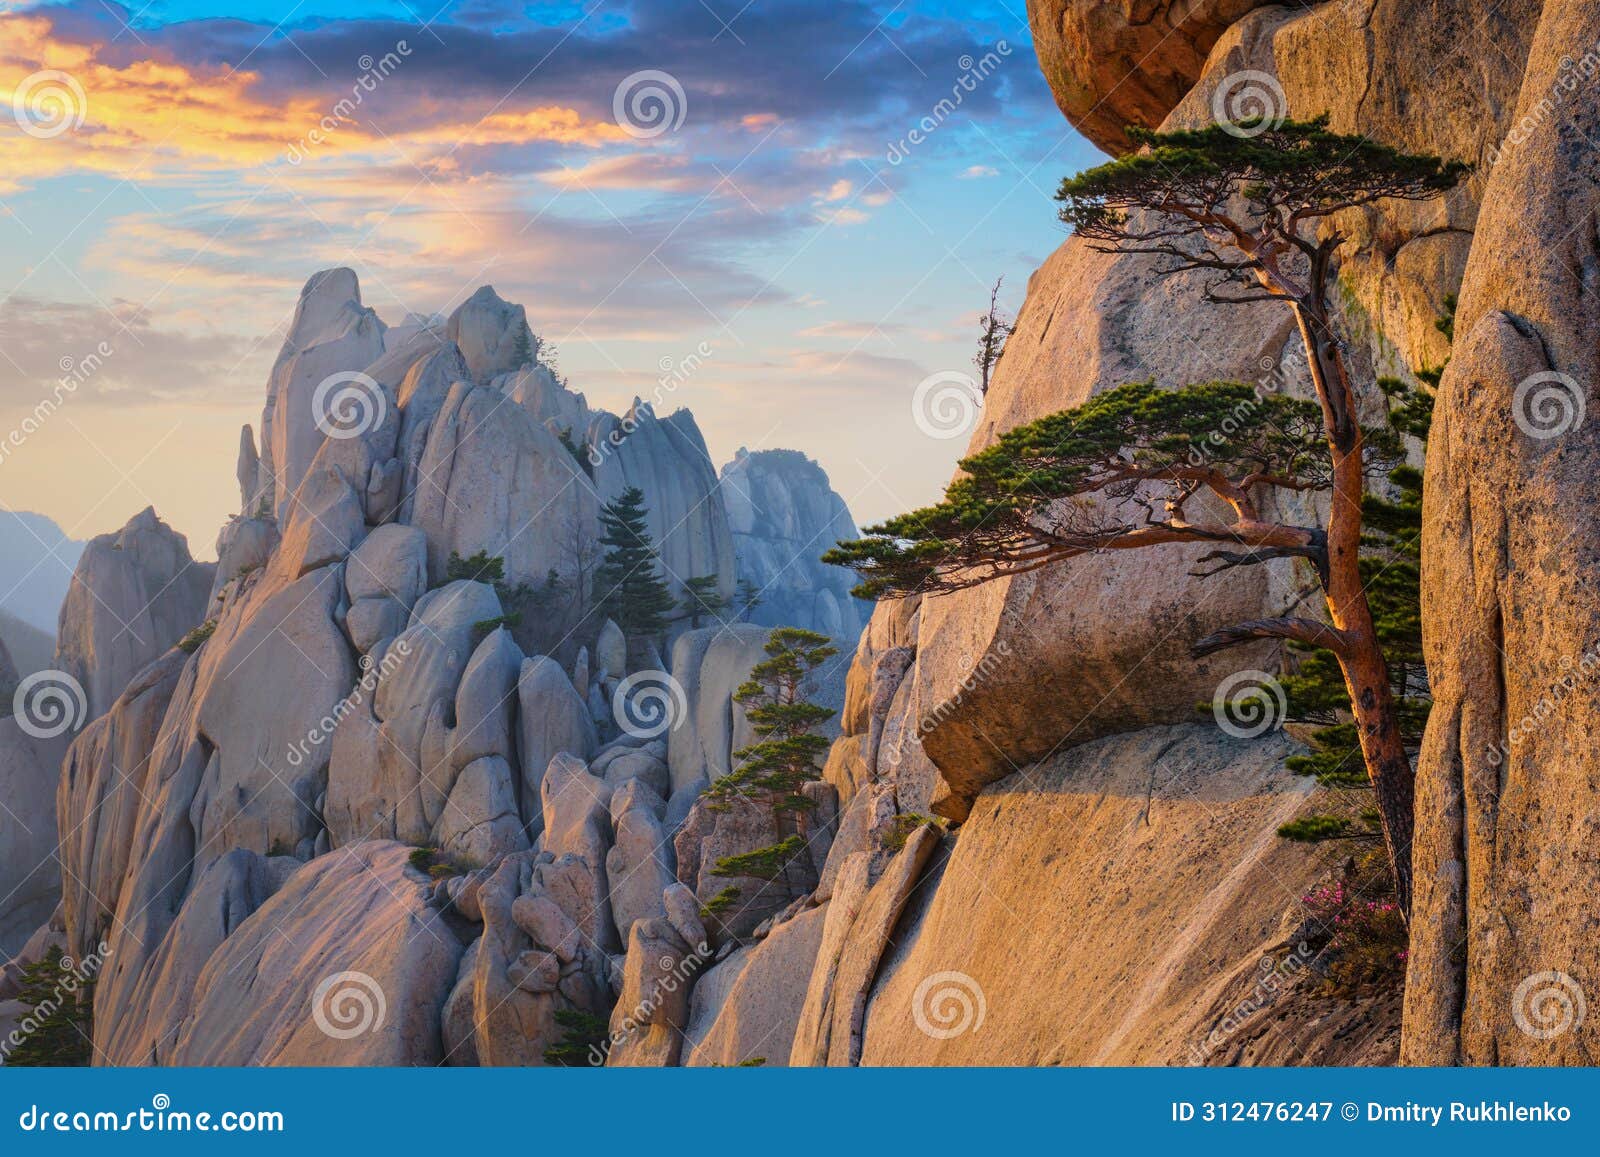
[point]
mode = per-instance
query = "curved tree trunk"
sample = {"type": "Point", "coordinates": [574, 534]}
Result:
{"type": "Point", "coordinates": [1366, 673]}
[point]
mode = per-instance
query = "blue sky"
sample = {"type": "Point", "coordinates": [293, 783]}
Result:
{"type": "Point", "coordinates": [788, 220]}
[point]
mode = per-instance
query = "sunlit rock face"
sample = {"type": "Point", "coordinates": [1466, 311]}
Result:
{"type": "Point", "coordinates": [1503, 933]}
{"type": "Point", "coordinates": [1101, 644]}
{"type": "Point", "coordinates": [1114, 63]}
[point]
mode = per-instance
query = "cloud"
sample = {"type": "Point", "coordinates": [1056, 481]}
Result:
{"type": "Point", "coordinates": [852, 330]}
{"type": "Point", "coordinates": [837, 191]}
{"type": "Point", "coordinates": [114, 353]}
{"type": "Point", "coordinates": [973, 172]}
{"type": "Point", "coordinates": [151, 119]}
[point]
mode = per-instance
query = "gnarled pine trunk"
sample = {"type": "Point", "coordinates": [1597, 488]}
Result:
{"type": "Point", "coordinates": [1366, 674]}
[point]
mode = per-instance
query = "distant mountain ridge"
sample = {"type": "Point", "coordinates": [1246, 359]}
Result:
{"type": "Point", "coordinates": [36, 564]}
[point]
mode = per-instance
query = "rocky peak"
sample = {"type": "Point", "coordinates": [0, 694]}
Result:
{"type": "Point", "coordinates": [784, 514]}
{"type": "Point", "coordinates": [135, 593]}
{"type": "Point", "coordinates": [331, 334]}
{"type": "Point", "coordinates": [493, 335]}
{"type": "Point", "coordinates": [330, 304]}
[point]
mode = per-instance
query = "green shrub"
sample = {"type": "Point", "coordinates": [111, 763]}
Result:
{"type": "Point", "coordinates": [903, 827]}
{"type": "Point", "coordinates": [583, 1043]}
{"type": "Point", "coordinates": [190, 643]}
{"type": "Point", "coordinates": [721, 902]}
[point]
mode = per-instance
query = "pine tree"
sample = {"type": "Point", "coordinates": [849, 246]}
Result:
{"type": "Point", "coordinates": [1257, 212]}
{"type": "Point", "coordinates": [1391, 571]}
{"type": "Point", "coordinates": [701, 599]}
{"type": "Point", "coordinates": [772, 771]}
{"type": "Point", "coordinates": [633, 594]}
{"type": "Point", "coordinates": [994, 330]}
{"type": "Point", "coordinates": [747, 598]}
{"type": "Point", "coordinates": [62, 1017]}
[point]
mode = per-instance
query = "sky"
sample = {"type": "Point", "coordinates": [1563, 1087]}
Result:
{"type": "Point", "coordinates": [646, 179]}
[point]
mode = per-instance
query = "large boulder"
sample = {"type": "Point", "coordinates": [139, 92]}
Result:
{"type": "Point", "coordinates": [267, 758]}
{"type": "Point", "coordinates": [103, 785]}
{"type": "Point", "coordinates": [748, 1007]}
{"type": "Point", "coordinates": [134, 594]}
{"type": "Point", "coordinates": [346, 964]}
{"type": "Point", "coordinates": [492, 479]}
{"type": "Point", "coordinates": [1114, 63]}
{"type": "Point", "coordinates": [492, 334]}
{"type": "Point", "coordinates": [221, 899]}
{"type": "Point", "coordinates": [538, 958]}
{"type": "Point", "coordinates": [436, 699]}
{"type": "Point", "coordinates": [639, 865]}
{"type": "Point", "coordinates": [421, 395]}
{"type": "Point", "coordinates": [552, 720]}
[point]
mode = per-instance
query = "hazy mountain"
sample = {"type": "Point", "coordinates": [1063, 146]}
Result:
{"type": "Point", "coordinates": [36, 563]}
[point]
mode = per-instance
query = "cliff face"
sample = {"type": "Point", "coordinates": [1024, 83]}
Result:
{"type": "Point", "coordinates": [1102, 645]}
{"type": "Point", "coordinates": [1505, 943]}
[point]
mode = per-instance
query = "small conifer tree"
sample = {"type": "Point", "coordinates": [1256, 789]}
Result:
{"type": "Point", "coordinates": [632, 592]}
{"type": "Point", "coordinates": [772, 771]}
